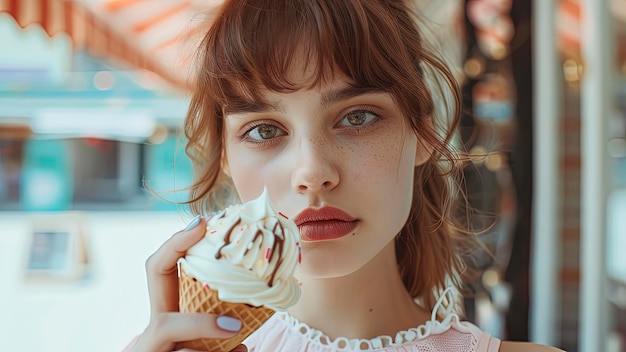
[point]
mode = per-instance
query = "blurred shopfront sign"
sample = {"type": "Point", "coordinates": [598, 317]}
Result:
{"type": "Point", "coordinates": [131, 125]}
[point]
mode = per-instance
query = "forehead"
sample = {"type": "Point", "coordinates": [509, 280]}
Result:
{"type": "Point", "coordinates": [303, 71]}
{"type": "Point", "coordinates": [324, 94]}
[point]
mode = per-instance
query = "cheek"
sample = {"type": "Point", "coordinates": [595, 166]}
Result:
{"type": "Point", "coordinates": [388, 173]}
{"type": "Point", "coordinates": [388, 163]}
{"type": "Point", "coordinates": [246, 183]}
{"type": "Point", "coordinates": [251, 171]}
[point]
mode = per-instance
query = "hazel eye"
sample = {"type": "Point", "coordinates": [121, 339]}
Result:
{"type": "Point", "coordinates": [358, 118]}
{"type": "Point", "coordinates": [264, 132]}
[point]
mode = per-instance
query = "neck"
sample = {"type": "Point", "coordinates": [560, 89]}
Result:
{"type": "Point", "coordinates": [365, 304]}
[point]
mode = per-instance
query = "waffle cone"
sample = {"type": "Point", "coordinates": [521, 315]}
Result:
{"type": "Point", "coordinates": [195, 298]}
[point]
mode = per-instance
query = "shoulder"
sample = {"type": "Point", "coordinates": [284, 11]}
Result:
{"type": "Point", "coordinates": [510, 346]}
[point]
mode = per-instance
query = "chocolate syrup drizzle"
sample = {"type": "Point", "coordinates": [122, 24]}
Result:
{"type": "Point", "coordinates": [277, 248]}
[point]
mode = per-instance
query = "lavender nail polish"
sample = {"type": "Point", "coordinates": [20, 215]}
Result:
{"type": "Point", "coordinates": [227, 323]}
{"type": "Point", "coordinates": [193, 223]}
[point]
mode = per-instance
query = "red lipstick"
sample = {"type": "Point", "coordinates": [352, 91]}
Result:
{"type": "Point", "coordinates": [325, 223]}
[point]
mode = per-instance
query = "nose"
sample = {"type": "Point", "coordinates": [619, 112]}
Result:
{"type": "Point", "coordinates": [315, 169]}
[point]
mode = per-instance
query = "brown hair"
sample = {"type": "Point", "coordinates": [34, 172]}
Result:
{"type": "Point", "coordinates": [375, 43]}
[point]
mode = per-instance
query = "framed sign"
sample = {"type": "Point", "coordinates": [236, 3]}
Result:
{"type": "Point", "coordinates": [56, 250]}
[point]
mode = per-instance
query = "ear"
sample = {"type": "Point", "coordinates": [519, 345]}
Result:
{"type": "Point", "coordinates": [423, 150]}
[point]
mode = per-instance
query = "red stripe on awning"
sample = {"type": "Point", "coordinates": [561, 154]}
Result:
{"type": "Point", "coordinates": [160, 17]}
{"type": "Point", "coordinates": [117, 5]}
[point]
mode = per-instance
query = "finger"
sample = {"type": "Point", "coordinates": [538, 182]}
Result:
{"type": "Point", "coordinates": [178, 327]}
{"type": "Point", "coordinates": [162, 270]}
{"type": "Point", "coordinates": [168, 328]}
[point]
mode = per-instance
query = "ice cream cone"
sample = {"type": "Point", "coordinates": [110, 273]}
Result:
{"type": "Point", "coordinates": [249, 255]}
{"type": "Point", "coordinates": [196, 297]}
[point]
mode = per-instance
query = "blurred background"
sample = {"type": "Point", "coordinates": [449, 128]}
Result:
{"type": "Point", "coordinates": [93, 94]}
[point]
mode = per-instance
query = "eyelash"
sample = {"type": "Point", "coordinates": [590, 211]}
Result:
{"type": "Point", "coordinates": [367, 109]}
{"type": "Point", "coordinates": [245, 136]}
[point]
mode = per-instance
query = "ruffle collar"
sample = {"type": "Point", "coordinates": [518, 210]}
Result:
{"type": "Point", "coordinates": [444, 307]}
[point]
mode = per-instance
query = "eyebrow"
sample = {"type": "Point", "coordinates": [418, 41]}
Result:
{"type": "Point", "coordinates": [328, 98]}
{"type": "Point", "coordinates": [336, 95]}
{"type": "Point", "coordinates": [241, 106]}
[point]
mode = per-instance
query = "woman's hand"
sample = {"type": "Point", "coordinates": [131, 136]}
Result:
{"type": "Point", "coordinates": [167, 326]}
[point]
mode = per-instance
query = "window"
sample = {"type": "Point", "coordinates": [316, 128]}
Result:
{"type": "Point", "coordinates": [91, 174]}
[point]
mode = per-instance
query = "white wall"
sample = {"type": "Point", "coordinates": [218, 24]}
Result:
{"type": "Point", "coordinates": [100, 313]}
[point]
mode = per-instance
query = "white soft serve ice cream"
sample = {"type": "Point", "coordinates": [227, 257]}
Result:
{"type": "Point", "coordinates": [249, 255]}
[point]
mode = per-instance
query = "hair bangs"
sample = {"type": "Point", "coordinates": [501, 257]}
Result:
{"type": "Point", "coordinates": [290, 45]}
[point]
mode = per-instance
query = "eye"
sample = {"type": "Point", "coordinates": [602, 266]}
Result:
{"type": "Point", "coordinates": [358, 118]}
{"type": "Point", "coordinates": [264, 132]}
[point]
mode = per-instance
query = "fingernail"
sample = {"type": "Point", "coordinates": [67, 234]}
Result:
{"type": "Point", "coordinates": [193, 223]}
{"type": "Point", "coordinates": [227, 323]}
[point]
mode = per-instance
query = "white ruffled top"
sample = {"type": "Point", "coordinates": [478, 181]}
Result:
{"type": "Point", "coordinates": [283, 332]}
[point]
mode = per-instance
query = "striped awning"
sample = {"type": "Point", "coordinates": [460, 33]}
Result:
{"type": "Point", "coordinates": [156, 35]}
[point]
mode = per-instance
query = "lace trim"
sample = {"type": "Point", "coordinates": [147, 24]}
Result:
{"type": "Point", "coordinates": [431, 327]}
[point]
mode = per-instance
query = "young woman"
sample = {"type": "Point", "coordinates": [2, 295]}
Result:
{"type": "Point", "coordinates": [331, 105]}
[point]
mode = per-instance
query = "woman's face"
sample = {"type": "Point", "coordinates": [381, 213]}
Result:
{"type": "Point", "coordinates": [336, 160]}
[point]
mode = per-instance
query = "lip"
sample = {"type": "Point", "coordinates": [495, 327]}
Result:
{"type": "Point", "coordinates": [322, 224]}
